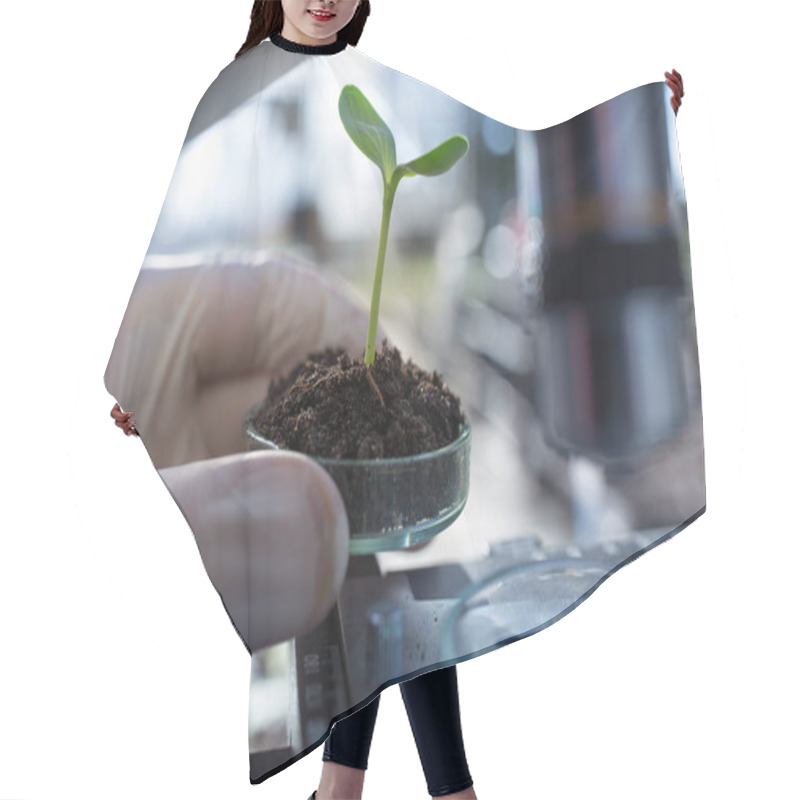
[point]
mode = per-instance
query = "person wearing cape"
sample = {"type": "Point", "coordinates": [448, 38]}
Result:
{"type": "Point", "coordinates": [545, 275]}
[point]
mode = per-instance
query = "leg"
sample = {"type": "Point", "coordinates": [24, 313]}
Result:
{"type": "Point", "coordinates": [433, 711]}
{"type": "Point", "coordinates": [345, 755]}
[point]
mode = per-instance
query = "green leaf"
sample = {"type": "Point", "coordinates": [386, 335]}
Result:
{"type": "Point", "coordinates": [370, 134]}
{"type": "Point", "coordinates": [440, 159]}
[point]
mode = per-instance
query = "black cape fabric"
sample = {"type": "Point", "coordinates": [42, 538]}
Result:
{"type": "Point", "coordinates": [545, 276]}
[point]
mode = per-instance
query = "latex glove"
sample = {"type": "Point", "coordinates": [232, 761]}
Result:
{"type": "Point", "coordinates": [196, 349]}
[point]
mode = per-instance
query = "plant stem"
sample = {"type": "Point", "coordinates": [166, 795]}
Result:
{"type": "Point", "coordinates": [389, 190]}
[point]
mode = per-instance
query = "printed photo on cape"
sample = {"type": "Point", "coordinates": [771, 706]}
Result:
{"type": "Point", "coordinates": [544, 279]}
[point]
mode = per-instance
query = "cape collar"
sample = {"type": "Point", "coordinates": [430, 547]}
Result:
{"type": "Point", "coordinates": [308, 49]}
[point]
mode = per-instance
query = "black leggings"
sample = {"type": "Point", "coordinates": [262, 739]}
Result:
{"type": "Point", "coordinates": [432, 706]}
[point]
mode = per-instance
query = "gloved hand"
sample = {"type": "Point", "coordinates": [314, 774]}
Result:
{"type": "Point", "coordinates": [197, 346]}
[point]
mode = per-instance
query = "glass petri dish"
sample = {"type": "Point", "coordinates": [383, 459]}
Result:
{"type": "Point", "coordinates": [393, 503]}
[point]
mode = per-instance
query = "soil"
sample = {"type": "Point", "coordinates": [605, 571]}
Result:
{"type": "Point", "coordinates": [333, 406]}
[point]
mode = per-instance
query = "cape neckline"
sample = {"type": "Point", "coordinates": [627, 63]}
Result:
{"type": "Point", "coordinates": [308, 49]}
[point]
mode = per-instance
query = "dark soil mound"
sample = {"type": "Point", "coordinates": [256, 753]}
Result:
{"type": "Point", "coordinates": [328, 407]}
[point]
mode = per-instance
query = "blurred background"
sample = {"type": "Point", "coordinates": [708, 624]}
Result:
{"type": "Point", "coordinates": [546, 277]}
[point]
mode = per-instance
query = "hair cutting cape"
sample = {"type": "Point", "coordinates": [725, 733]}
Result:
{"type": "Point", "coordinates": [545, 276]}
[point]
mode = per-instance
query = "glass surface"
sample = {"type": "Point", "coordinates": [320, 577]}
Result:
{"type": "Point", "coordinates": [517, 600]}
{"type": "Point", "coordinates": [394, 503]}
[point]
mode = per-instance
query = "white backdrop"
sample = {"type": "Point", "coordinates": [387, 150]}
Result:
{"type": "Point", "coordinates": [120, 674]}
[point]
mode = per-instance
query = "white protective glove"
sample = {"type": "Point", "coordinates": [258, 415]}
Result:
{"type": "Point", "coordinates": [197, 347]}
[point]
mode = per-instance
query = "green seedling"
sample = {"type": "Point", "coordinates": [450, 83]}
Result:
{"type": "Point", "coordinates": [371, 135]}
